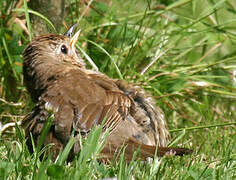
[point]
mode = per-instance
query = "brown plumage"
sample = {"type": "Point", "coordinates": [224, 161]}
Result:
{"type": "Point", "coordinates": [56, 78]}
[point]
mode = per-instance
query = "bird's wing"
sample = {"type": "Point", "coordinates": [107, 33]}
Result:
{"type": "Point", "coordinates": [147, 115]}
{"type": "Point", "coordinates": [79, 101]}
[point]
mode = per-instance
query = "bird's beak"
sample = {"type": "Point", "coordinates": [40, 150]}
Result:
{"type": "Point", "coordinates": [70, 31]}
{"type": "Point", "coordinates": [74, 39]}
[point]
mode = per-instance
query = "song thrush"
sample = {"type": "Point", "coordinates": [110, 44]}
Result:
{"type": "Point", "coordinates": [56, 78]}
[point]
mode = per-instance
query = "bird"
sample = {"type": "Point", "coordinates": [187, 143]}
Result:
{"type": "Point", "coordinates": [56, 77]}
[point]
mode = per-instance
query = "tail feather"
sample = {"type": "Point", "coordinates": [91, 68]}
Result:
{"type": "Point", "coordinates": [145, 151]}
{"type": "Point", "coordinates": [150, 151]}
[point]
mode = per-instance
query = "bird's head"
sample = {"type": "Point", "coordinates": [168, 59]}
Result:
{"type": "Point", "coordinates": [47, 57]}
{"type": "Point", "coordinates": [54, 48]}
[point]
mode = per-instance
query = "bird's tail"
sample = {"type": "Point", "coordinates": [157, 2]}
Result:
{"type": "Point", "coordinates": [146, 151]}
{"type": "Point", "coordinates": [150, 151]}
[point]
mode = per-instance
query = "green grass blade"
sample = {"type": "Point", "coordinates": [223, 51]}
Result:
{"type": "Point", "coordinates": [112, 60]}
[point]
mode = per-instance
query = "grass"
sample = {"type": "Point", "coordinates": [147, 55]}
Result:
{"type": "Point", "coordinates": [182, 52]}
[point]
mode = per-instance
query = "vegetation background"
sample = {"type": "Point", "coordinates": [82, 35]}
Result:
{"type": "Point", "coordinates": [182, 51]}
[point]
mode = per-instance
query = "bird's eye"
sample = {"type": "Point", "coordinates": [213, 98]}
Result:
{"type": "Point", "coordinates": [64, 49]}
